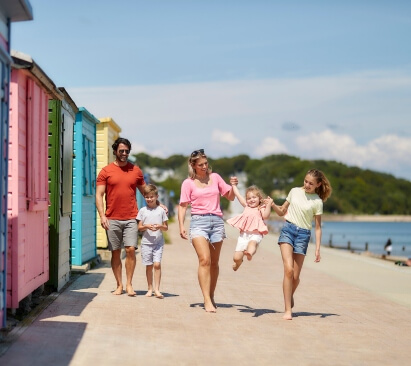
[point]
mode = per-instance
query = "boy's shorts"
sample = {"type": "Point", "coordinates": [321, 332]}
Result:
{"type": "Point", "coordinates": [244, 238]}
{"type": "Point", "coordinates": [122, 232]}
{"type": "Point", "coordinates": [296, 236]}
{"type": "Point", "coordinates": [208, 226]}
{"type": "Point", "coordinates": [151, 253]}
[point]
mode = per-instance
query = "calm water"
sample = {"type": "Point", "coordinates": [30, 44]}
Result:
{"type": "Point", "coordinates": [375, 234]}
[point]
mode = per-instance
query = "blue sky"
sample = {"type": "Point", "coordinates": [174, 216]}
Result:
{"type": "Point", "coordinates": [314, 79]}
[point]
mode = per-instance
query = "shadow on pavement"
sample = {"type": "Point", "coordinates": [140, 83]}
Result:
{"type": "Point", "coordinates": [240, 308]}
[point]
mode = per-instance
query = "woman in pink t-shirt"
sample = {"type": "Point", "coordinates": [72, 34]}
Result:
{"type": "Point", "coordinates": [202, 190]}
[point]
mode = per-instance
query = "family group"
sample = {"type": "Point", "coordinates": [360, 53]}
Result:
{"type": "Point", "coordinates": [202, 190]}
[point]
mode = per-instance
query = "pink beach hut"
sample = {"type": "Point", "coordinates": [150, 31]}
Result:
{"type": "Point", "coordinates": [10, 11]}
{"type": "Point", "coordinates": [28, 196]}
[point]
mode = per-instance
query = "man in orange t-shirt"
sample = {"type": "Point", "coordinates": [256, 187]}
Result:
{"type": "Point", "coordinates": [118, 181]}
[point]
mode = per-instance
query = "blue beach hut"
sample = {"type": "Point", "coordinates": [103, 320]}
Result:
{"type": "Point", "coordinates": [83, 226]}
{"type": "Point", "coordinates": [10, 11]}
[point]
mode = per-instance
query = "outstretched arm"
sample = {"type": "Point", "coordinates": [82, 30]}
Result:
{"type": "Point", "coordinates": [266, 209]}
{"type": "Point", "coordinates": [280, 210]}
{"type": "Point", "coordinates": [240, 198]}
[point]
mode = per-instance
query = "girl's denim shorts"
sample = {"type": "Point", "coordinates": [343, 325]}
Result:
{"type": "Point", "coordinates": [296, 236]}
{"type": "Point", "coordinates": [209, 226]}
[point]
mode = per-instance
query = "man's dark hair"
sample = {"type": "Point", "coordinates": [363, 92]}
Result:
{"type": "Point", "coordinates": [119, 141]}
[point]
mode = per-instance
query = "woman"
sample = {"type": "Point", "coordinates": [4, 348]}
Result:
{"type": "Point", "coordinates": [202, 190]}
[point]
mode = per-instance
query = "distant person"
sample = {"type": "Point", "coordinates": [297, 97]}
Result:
{"type": "Point", "coordinates": [152, 221]}
{"type": "Point", "coordinates": [117, 182]}
{"type": "Point", "coordinates": [250, 223]}
{"type": "Point", "coordinates": [202, 190]}
{"type": "Point", "coordinates": [388, 247]}
{"type": "Point", "coordinates": [302, 205]}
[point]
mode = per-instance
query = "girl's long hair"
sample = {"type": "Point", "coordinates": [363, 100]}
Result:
{"type": "Point", "coordinates": [324, 190]}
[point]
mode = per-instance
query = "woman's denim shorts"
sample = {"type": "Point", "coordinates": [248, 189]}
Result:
{"type": "Point", "coordinates": [296, 236]}
{"type": "Point", "coordinates": [209, 226]}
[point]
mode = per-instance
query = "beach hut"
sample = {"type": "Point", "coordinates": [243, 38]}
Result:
{"type": "Point", "coordinates": [62, 114]}
{"type": "Point", "coordinates": [107, 132]}
{"type": "Point", "coordinates": [28, 249]}
{"type": "Point", "coordinates": [83, 222]}
{"type": "Point", "coordinates": [10, 11]}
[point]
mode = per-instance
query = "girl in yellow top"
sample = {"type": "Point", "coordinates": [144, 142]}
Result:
{"type": "Point", "coordinates": [302, 205]}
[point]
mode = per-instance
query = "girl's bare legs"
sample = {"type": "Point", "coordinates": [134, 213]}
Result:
{"type": "Point", "coordinates": [157, 279]}
{"type": "Point", "coordinates": [293, 264]}
{"type": "Point", "coordinates": [202, 248]}
{"type": "Point", "coordinates": [238, 260]}
{"type": "Point", "coordinates": [215, 268]}
{"type": "Point", "coordinates": [149, 275]}
{"type": "Point", "coordinates": [251, 249]}
{"type": "Point", "coordinates": [288, 262]}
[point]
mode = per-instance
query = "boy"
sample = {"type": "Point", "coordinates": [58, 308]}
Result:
{"type": "Point", "coordinates": [152, 221]}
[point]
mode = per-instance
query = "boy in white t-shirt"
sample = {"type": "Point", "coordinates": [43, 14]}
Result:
{"type": "Point", "coordinates": [152, 221]}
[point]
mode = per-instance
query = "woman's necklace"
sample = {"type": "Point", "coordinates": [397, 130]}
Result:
{"type": "Point", "coordinates": [203, 180]}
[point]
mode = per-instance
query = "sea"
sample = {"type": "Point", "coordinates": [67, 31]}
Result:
{"type": "Point", "coordinates": [358, 234]}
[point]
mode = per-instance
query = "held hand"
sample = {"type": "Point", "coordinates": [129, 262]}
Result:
{"type": "Point", "coordinates": [165, 208]}
{"type": "Point", "coordinates": [268, 201]}
{"type": "Point", "coordinates": [233, 181]}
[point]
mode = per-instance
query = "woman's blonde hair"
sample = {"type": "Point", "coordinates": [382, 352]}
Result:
{"type": "Point", "coordinates": [195, 155]}
{"type": "Point", "coordinates": [324, 190]}
{"type": "Point", "coordinates": [258, 192]}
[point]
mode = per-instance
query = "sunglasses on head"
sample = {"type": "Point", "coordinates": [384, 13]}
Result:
{"type": "Point", "coordinates": [122, 151]}
{"type": "Point", "coordinates": [196, 152]}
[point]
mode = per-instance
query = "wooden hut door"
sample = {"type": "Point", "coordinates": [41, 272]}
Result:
{"type": "Point", "coordinates": [36, 264]}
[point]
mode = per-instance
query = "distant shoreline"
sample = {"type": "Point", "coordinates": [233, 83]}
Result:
{"type": "Point", "coordinates": [357, 218]}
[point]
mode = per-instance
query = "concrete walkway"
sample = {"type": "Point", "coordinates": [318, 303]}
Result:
{"type": "Point", "coordinates": [350, 310]}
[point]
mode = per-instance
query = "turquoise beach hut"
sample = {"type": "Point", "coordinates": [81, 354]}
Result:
{"type": "Point", "coordinates": [62, 115]}
{"type": "Point", "coordinates": [83, 221]}
{"type": "Point", "coordinates": [10, 11]}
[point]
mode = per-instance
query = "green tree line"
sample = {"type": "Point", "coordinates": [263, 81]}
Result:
{"type": "Point", "coordinates": [355, 190]}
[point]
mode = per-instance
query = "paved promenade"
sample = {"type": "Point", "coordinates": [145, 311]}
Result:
{"type": "Point", "coordinates": [349, 310]}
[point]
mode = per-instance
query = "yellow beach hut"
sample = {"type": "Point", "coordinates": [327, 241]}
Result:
{"type": "Point", "coordinates": [107, 132]}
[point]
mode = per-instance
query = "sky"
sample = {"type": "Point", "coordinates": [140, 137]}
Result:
{"type": "Point", "coordinates": [313, 79]}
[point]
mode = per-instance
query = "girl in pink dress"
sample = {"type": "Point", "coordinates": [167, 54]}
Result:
{"type": "Point", "coordinates": [250, 223]}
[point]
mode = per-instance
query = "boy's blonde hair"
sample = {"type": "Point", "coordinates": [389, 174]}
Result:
{"type": "Point", "coordinates": [150, 188]}
{"type": "Point", "coordinates": [258, 192]}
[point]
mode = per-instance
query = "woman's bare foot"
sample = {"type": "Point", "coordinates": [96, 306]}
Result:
{"type": "Point", "coordinates": [159, 295]}
{"type": "Point", "coordinates": [118, 290]}
{"type": "Point", "coordinates": [248, 255]}
{"type": "Point", "coordinates": [130, 291]}
{"type": "Point", "coordinates": [149, 293]}
{"type": "Point", "coordinates": [288, 315]}
{"type": "Point", "coordinates": [237, 265]}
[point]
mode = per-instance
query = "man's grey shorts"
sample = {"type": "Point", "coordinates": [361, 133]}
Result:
{"type": "Point", "coordinates": [122, 232]}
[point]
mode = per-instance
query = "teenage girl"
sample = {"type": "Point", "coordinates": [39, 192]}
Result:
{"type": "Point", "coordinates": [250, 223]}
{"type": "Point", "coordinates": [302, 205]}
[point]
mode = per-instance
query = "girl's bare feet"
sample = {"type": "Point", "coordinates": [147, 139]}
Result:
{"type": "Point", "coordinates": [159, 295]}
{"type": "Point", "coordinates": [149, 293]}
{"type": "Point", "coordinates": [248, 255]}
{"type": "Point", "coordinates": [118, 290]}
{"type": "Point", "coordinates": [237, 265]}
{"type": "Point", "coordinates": [288, 315]}
{"type": "Point", "coordinates": [209, 307]}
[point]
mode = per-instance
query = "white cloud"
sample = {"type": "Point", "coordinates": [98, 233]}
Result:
{"type": "Point", "coordinates": [390, 153]}
{"type": "Point", "coordinates": [226, 137]}
{"type": "Point", "coordinates": [270, 145]}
